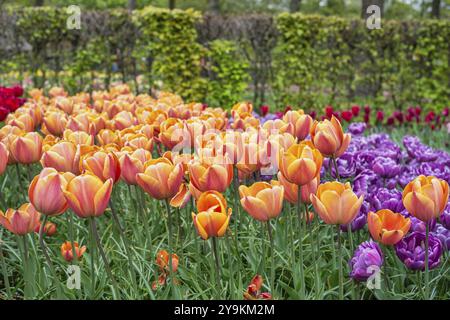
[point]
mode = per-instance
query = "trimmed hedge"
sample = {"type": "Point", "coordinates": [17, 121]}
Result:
{"type": "Point", "coordinates": [294, 59]}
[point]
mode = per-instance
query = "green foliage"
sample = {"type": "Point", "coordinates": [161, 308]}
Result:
{"type": "Point", "coordinates": [229, 77]}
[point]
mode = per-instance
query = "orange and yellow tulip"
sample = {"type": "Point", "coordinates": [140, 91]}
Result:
{"type": "Point", "coordinates": [49, 228]}
{"type": "Point", "coordinates": [426, 197]}
{"type": "Point", "coordinates": [329, 137]}
{"type": "Point", "coordinates": [27, 149]}
{"type": "Point", "coordinates": [161, 178]}
{"type": "Point", "coordinates": [104, 165]}
{"type": "Point", "coordinates": [133, 163]}
{"type": "Point", "coordinates": [387, 227]}
{"type": "Point", "coordinates": [262, 200]}
{"type": "Point", "coordinates": [21, 221]}
{"type": "Point", "coordinates": [301, 163]}
{"type": "Point", "coordinates": [162, 261]}
{"type": "Point", "coordinates": [336, 203]}
{"type": "Point", "coordinates": [205, 176]}
{"type": "Point", "coordinates": [67, 252]}
{"type": "Point", "coordinates": [212, 219]}
{"type": "Point", "coordinates": [87, 195]}
{"type": "Point", "coordinates": [291, 189]}
{"type": "Point", "coordinates": [302, 123]}
{"type": "Point", "coordinates": [46, 191]}
{"type": "Point", "coordinates": [64, 156]}
{"type": "Point", "coordinates": [4, 156]}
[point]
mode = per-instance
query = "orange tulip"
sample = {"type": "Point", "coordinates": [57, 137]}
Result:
{"type": "Point", "coordinates": [212, 219]}
{"type": "Point", "coordinates": [161, 178]}
{"type": "Point", "coordinates": [336, 203]}
{"type": "Point", "coordinates": [27, 149]}
{"type": "Point", "coordinates": [426, 197]}
{"type": "Point", "coordinates": [291, 189]}
{"type": "Point", "coordinates": [107, 136]}
{"type": "Point", "coordinates": [23, 121]}
{"type": "Point", "coordinates": [67, 252]}
{"type": "Point", "coordinates": [104, 165]}
{"type": "Point", "coordinates": [78, 137]}
{"type": "Point", "coordinates": [329, 137]}
{"type": "Point", "coordinates": [64, 156]}
{"type": "Point", "coordinates": [88, 196]}
{"type": "Point", "coordinates": [4, 156]}
{"type": "Point", "coordinates": [21, 221]}
{"type": "Point", "coordinates": [45, 191]}
{"type": "Point", "coordinates": [173, 134]}
{"type": "Point", "coordinates": [302, 123]}
{"type": "Point", "coordinates": [301, 163]}
{"type": "Point", "coordinates": [162, 260]}
{"type": "Point", "coordinates": [55, 123]}
{"type": "Point", "coordinates": [263, 201]}
{"type": "Point", "coordinates": [210, 176]}
{"type": "Point", "coordinates": [387, 227]}
{"type": "Point", "coordinates": [49, 228]}
{"type": "Point", "coordinates": [133, 163]}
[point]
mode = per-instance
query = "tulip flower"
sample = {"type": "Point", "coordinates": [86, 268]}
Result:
{"type": "Point", "coordinates": [64, 156]}
{"type": "Point", "coordinates": [46, 191]}
{"type": "Point", "coordinates": [329, 138]}
{"type": "Point", "coordinates": [301, 163]}
{"type": "Point", "coordinates": [4, 156]}
{"type": "Point", "coordinates": [67, 251]}
{"type": "Point", "coordinates": [104, 165]}
{"type": "Point", "coordinates": [132, 164]}
{"type": "Point", "coordinates": [412, 251]}
{"type": "Point", "coordinates": [263, 201]}
{"type": "Point", "coordinates": [366, 258]}
{"type": "Point", "coordinates": [49, 229]}
{"type": "Point", "coordinates": [291, 189]}
{"type": "Point", "coordinates": [162, 261]}
{"type": "Point", "coordinates": [387, 227]}
{"type": "Point", "coordinates": [54, 123]}
{"type": "Point", "coordinates": [27, 149]}
{"type": "Point", "coordinates": [426, 197]}
{"type": "Point", "coordinates": [161, 178]}
{"type": "Point", "coordinates": [21, 221]}
{"type": "Point", "coordinates": [302, 123]}
{"type": "Point", "coordinates": [87, 195]}
{"type": "Point", "coordinates": [336, 203]}
{"type": "Point", "coordinates": [206, 176]}
{"type": "Point", "coordinates": [254, 290]}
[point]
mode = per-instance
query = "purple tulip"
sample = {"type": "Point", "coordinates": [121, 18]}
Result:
{"type": "Point", "coordinates": [386, 167]}
{"type": "Point", "coordinates": [360, 220]}
{"type": "Point", "coordinates": [366, 259]}
{"type": "Point", "coordinates": [419, 225]}
{"type": "Point", "coordinates": [411, 250]}
{"type": "Point", "coordinates": [357, 128]}
{"type": "Point", "coordinates": [443, 235]}
{"type": "Point", "coordinates": [445, 218]}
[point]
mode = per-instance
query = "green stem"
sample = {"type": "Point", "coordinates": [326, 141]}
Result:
{"type": "Point", "coordinates": [427, 271]}
{"type": "Point", "coordinates": [169, 227]}
{"type": "Point", "coordinates": [313, 249]}
{"type": "Point", "coordinates": [300, 238]}
{"type": "Point", "coordinates": [144, 217]}
{"type": "Point", "coordinates": [71, 237]}
{"type": "Point", "coordinates": [218, 271]}
{"type": "Point", "coordinates": [5, 272]}
{"type": "Point", "coordinates": [230, 266]}
{"type": "Point", "coordinates": [28, 291]}
{"type": "Point", "coordinates": [105, 260]}
{"type": "Point", "coordinates": [93, 247]}
{"type": "Point", "coordinates": [272, 255]}
{"type": "Point", "coordinates": [336, 168]}
{"type": "Point", "coordinates": [341, 277]}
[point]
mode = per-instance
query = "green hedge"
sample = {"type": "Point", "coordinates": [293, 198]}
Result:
{"type": "Point", "coordinates": [317, 60]}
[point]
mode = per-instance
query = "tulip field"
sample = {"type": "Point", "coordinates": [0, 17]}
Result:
{"type": "Point", "coordinates": [112, 195]}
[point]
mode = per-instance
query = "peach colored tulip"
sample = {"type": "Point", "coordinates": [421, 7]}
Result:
{"type": "Point", "coordinates": [49, 228]}
{"type": "Point", "coordinates": [78, 137]}
{"type": "Point", "coordinates": [23, 121]}
{"type": "Point", "coordinates": [262, 200]}
{"type": "Point", "coordinates": [329, 137]}
{"type": "Point", "coordinates": [426, 197]}
{"type": "Point", "coordinates": [162, 261]}
{"type": "Point", "coordinates": [87, 195]}
{"type": "Point", "coordinates": [27, 149]}
{"type": "Point", "coordinates": [210, 176]}
{"type": "Point", "coordinates": [336, 203]}
{"type": "Point", "coordinates": [161, 178]}
{"type": "Point", "coordinates": [291, 189]}
{"type": "Point", "coordinates": [4, 156]}
{"type": "Point", "coordinates": [387, 227]}
{"type": "Point", "coordinates": [181, 199]}
{"type": "Point", "coordinates": [301, 163]}
{"type": "Point", "coordinates": [107, 136]}
{"type": "Point", "coordinates": [64, 156]}
{"type": "Point", "coordinates": [46, 191]}
{"type": "Point", "coordinates": [302, 123]}
{"type": "Point", "coordinates": [137, 141]}
{"type": "Point", "coordinates": [133, 163]}
{"type": "Point", "coordinates": [67, 252]}
{"type": "Point", "coordinates": [55, 123]}
{"type": "Point", "coordinates": [21, 221]}
{"type": "Point", "coordinates": [103, 164]}
{"type": "Point", "coordinates": [173, 134]}
{"type": "Point", "coordinates": [212, 219]}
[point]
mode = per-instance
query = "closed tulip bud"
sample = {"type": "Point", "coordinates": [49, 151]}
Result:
{"type": "Point", "coordinates": [263, 201]}
{"type": "Point", "coordinates": [301, 163]}
{"type": "Point", "coordinates": [206, 176]}
{"type": "Point", "coordinates": [213, 218]}
{"type": "Point", "coordinates": [329, 138]}
{"type": "Point", "coordinates": [291, 189]}
{"type": "Point", "coordinates": [49, 228]}
{"type": "Point", "coordinates": [387, 227]}
{"type": "Point", "coordinates": [45, 191]}
{"type": "Point", "coordinates": [302, 123]}
{"type": "Point", "coordinates": [21, 221]}
{"type": "Point", "coordinates": [27, 149]}
{"type": "Point", "coordinates": [87, 195]}
{"type": "Point", "coordinates": [104, 165]}
{"type": "Point", "coordinates": [336, 203]}
{"type": "Point", "coordinates": [162, 261]}
{"type": "Point", "coordinates": [133, 163]}
{"type": "Point", "coordinates": [161, 178]}
{"type": "Point", "coordinates": [426, 197]}
{"type": "Point", "coordinates": [4, 156]}
{"type": "Point", "coordinates": [67, 251]}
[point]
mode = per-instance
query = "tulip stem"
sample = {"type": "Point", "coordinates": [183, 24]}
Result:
{"type": "Point", "coordinates": [71, 237]}
{"type": "Point", "coordinates": [336, 168]}
{"type": "Point", "coordinates": [47, 258]}
{"type": "Point", "coordinates": [92, 258]}
{"type": "Point", "coordinates": [300, 236]}
{"type": "Point", "coordinates": [272, 258]}
{"type": "Point", "coordinates": [27, 291]}
{"type": "Point", "coordinates": [341, 277]}
{"type": "Point", "coordinates": [19, 180]}
{"type": "Point", "coordinates": [141, 202]}
{"type": "Point", "coordinates": [216, 258]}
{"type": "Point", "coordinates": [5, 270]}
{"type": "Point", "coordinates": [427, 271]}
{"type": "Point", "coordinates": [103, 255]}
{"type": "Point", "coordinates": [169, 227]}
{"type": "Point", "coordinates": [313, 249]}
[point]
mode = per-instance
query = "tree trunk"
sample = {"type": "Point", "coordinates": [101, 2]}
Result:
{"type": "Point", "coordinates": [366, 3]}
{"type": "Point", "coordinates": [214, 6]}
{"type": "Point", "coordinates": [171, 4]}
{"type": "Point", "coordinates": [131, 5]}
{"type": "Point", "coordinates": [294, 5]}
{"type": "Point", "coordinates": [38, 3]}
{"type": "Point", "coordinates": [436, 9]}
